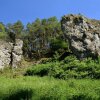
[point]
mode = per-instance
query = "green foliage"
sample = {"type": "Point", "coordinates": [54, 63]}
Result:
{"type": "Point", "coordinates": [41, 38]}
{"type": "Point", "coordinates": [20, 94]}
{"type": "Point", "coordinates": [46, 88]}
{"type": "Point", "coordinates": [2, 28]}
{"type": "Point", "coordinates": [41, 34]}
{"type": "Point", "coordinates": [3, 33]}
{"type": "Point", "coordinates": [39, 70]}
{"type": "Point", "coordinates": [17, 27]}
{"type": "Point", "coordinates": [57, 44]}
{"type": "Point", "coordinates": [56, 56]}
{"type": "Point", "coordinates": [14, 30]}
{"type": "Point", "coordinates": [70, 67]}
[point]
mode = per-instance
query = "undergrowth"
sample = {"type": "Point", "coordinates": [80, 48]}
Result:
{"type": "Point", "coordinates": [46, 88]}
{"type": "Point", "coordinates": [70, 67]}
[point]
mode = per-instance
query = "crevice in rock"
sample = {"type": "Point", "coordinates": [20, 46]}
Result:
{"type": "Point", "coordinates": [11, 55]}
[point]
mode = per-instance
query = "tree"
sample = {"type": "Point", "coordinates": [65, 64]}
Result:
{"type": "Point", "coordinates": [2, 27]}
{"type": "Point", "coordinates": [17, 28]}
{"type": "Point", "coordinates": [2, 30]}
{"type": "Point", "coordinates": [40, 34]}
{"type": "Point", "coordinates": [14, 30]}
{"type": "Point", "coordinates": [57, 44]}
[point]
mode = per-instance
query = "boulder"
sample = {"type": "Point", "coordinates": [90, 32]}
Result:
{"type": "Point", "coordinates": [17, 53]}
{"type": "Point", "coordinates": [5, 53]}
{"type": "Point", "coordinates": [10, 54]}
{"type": "Point", "coordinates": [83, 35]}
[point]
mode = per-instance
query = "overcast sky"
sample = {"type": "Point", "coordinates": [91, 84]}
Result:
{"type": "Point", "coordinates": [29, 10]}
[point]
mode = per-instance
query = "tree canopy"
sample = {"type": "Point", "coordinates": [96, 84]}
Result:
{"type": "Point", "coordinates": [40, 37]}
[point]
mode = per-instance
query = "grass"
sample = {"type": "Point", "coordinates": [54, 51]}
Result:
{"type": "Point", "coordinates": [13, 72]}
{"type": "Point", "coordinates": [51, 86]}
{"type": "Point", "coordinates": [46, 88]}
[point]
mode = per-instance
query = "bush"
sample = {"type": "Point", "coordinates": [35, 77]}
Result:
{"type": "Point", "coordinates": [40, 70]}
{"type": "Point", "coordinates": [3, 34]}
{"type": "Point", "coordinates": [70, 67]}
{"type": "Point", "coordinates": [57, 44]}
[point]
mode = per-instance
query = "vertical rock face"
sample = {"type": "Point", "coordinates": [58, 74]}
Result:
{"type": "Point", "coordinates": [5, 53]}
{"type": "Point", "coordinates": [10, 54]}
{"type": "Point", "coordinates": [17, 53]}
{"type": "Point", "coordinates": [83, 35]}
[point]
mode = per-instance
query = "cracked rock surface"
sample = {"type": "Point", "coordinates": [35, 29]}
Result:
{"type": "Point", "coordinates": [83, 35]}
{"type": "Point", "coordinates": [10, 54]}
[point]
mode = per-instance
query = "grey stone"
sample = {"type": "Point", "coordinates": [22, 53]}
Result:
{"type": "Point", "coordinates": [17, 53]}
{"type": "Point", "coordinates": [10, 54]}
{"type": "Point", "coordinates": [83, 35]}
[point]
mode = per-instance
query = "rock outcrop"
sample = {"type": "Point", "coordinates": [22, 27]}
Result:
{"type": "Point", "coordinates": [83, 35]}
{"type": "Point", "coordinates": [17, 53]}
{"type": "Point", "coordinates": [10, 54]}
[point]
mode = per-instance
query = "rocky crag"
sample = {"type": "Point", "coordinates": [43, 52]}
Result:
{"type": "Point", "coordinates": [83, 35]}
{"type": "Point", "coordinates": [10, 53]}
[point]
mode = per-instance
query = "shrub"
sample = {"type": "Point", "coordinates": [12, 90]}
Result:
{"type": "Point", "coordinates": [57, 44]}
{"type": "Point", "coordinates": [56, 71]}
{"type": "Point", "coordinates": [70, 67]}
{"type": "Point", "coordinates": [40, 70]}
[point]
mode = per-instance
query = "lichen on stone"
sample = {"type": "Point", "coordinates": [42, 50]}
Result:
{"type": "Point", "coordinates": [83, 35]}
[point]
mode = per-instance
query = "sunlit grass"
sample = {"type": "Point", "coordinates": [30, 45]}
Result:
{"type": "Point", "coordinates": [46, 88]}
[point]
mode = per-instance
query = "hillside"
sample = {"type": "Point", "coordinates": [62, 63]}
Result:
{"type": "Point", "coordinates": [50, 59]}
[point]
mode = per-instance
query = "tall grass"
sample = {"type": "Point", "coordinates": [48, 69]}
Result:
{"type": "Point", "coordinates": [46, 88]}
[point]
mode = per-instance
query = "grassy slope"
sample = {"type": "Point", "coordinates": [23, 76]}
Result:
{"type": "Point", "coordinates": [15, 86]}
{"type": "Point", "coordinates": [46, 88]}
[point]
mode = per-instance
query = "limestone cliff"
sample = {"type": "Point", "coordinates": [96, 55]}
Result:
{"type": "Point", "coordinates": [10, 54]}
{"type": "Point", "coordinates": [83, 35]}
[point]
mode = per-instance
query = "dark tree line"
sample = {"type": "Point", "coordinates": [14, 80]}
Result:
{"type": "Point", "coordinates": [41, 38]}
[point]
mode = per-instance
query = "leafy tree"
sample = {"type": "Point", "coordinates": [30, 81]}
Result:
{"type": "Point", "coordinates": [17, 28]}
{"type": "Point", "coordinates": [2, 30]}
{"type": "Point", "coordinates": [14, 30]}
{"type": "Point", "coordinates": [57, 44]}
{"type": "Point", "coordinates": [41, 32]}
{"type": "Point", "coordinates": [41, 36]}
{"type": "Point", "coordinates": [2, 27]}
